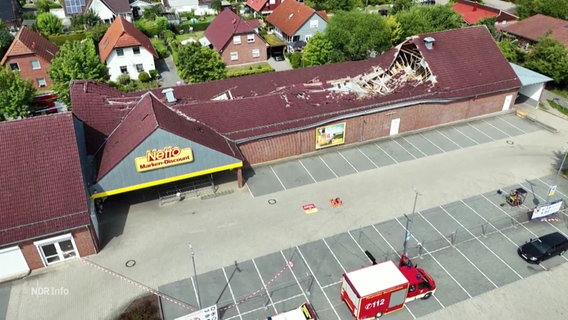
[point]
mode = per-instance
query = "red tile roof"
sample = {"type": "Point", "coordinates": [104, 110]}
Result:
{"type": "Point", "coordinates": [225, 25]}
{"type": "Point", "coordinates": [120, 34]}
{"type": "Point", "coordinates": [273, 103]}
{"type": "Point", "coordinates": [145, 117]}
{"type": "Point", "coordinates": [257, 5]}
{"type": "Point", "coordinates": [538, 26]}
{"type": "Point", "coordinates": [42, 189]}
{"type": "Point", "coordinates": [26, 42]}
{"type": "Point", "coordinates": [472, 12]}
{"type": "Point", "coordinates": [290, 15]}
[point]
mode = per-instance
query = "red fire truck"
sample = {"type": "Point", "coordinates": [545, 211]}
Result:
{"type": "Point", "coordinates": [382, 288]}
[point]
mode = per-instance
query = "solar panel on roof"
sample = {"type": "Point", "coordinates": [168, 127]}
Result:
{"type": "Point", "coordinates": [74, 6]}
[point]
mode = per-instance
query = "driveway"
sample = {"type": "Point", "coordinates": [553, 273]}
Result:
{"type": "Point", "coordinates": [279, 65]}
{"type": "Point", "coordinates": [168, 72]}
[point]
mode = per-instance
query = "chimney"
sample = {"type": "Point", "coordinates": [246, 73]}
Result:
{"type": "Point", "coordinates": [429, 42]}
{"type": "Point", "coordinates": [475, 4]}
{"type": "Point", "coordinates": [169, 95]}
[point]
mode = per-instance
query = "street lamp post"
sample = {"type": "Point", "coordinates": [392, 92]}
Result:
{"type": "Point", "coordinates": [409, 221]}
{"type": "Point", "coordinates": [564, 155]}
{"type": "Point", "coordinates": [195, 276]}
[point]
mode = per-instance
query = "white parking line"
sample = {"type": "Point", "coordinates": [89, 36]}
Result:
{"type": "Point", "coordinates": [393, 159]}
{"type": "Point", "coordinates": [308, 171]}
{"type": "Point", "coordinates": [510, 216]}
{"type": "Point", "coordinates": [393, 140]}
{"type": "Point", "coordinates": [385, 240]}
{"type": "Point", "coordinates": [363, 153]}
{"type": "Point", "coordinates": [333, 254]}
{"type": "Point", "coordinates": [441, 266]}
{"type": "Point", "coordinates": [318, 283]}
{"type": "Point", "coordinates": [512, 125]}
{"type": "Point", "coordinates": [465, 135]}
{"type": "Point", "coordinates": [264, 286]}
{"type": "Point", "coordinates": [328, 166]}
{"type": "Point", "coordinates": [435, 145]}
{"type": "Point", "coordinates": [294, 275]}
{"type": "Point", "coordinates": [231, 291]}
{"type": "Point", "coordinates": [277, 178]}
{"type": "Point", "coordinates": [358, 245]}
{"type": "Point", "coordinates": [452, 141]}
{"type": "Point", "coordinates": [415, 147]}
{"type": "Point", "coordinates": [348, 161]}
{"type": "Point", "coordinates": [563, 212]}
{"type": "Point", "coordinates": [483, 244]}
{"type": "Point", "coordinates": [483, 133]}
{"type": "Point", "coordinates": [505, 133]}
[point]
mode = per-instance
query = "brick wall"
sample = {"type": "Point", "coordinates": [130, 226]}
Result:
{"type": "Point", "coordinates": [244, 49]}
{"type": "Point", "coordinates": [374, 126]}
{"type": "Point", "coordinates": [31, 255]}
{"type": "Point", "coordinates": [26, 71]}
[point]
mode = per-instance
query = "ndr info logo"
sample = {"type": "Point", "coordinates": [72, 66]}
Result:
{"type": "Point", "coordinates": [49, 291]}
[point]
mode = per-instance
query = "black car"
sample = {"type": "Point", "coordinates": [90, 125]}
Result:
{"type": "Point", "coordinates": [540, 249]}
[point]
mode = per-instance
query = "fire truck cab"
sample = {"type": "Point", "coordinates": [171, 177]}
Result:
{"type": "Point", "coordinates": [382, 288]}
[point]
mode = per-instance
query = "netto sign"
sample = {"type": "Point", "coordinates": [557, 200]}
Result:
{"type": "Point", "coordinates": [167, 157]}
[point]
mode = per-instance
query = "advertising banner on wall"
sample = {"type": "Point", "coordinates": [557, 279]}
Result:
{"type": "Point", "coordinates": [161, 158]}
{"type": "Point", "coordinates": [330, 135]}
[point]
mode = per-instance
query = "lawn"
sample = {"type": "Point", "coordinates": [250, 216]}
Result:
{"type": "Point", "coordinates": [196, 35]}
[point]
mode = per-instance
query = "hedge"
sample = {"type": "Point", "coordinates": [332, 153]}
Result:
{"type": "Point", "coordinates": [60, 39]}
{"type": "Point", "coordinates": [252, 70]}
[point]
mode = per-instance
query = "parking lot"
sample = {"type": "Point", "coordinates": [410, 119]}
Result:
{"type": "Point", "coordinates": [468, 246]}
{"type": "Point", "coordinates": [350, 160]}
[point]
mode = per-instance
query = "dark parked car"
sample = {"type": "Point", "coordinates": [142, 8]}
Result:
{"type": "Point", "coordinates": [545, 247]}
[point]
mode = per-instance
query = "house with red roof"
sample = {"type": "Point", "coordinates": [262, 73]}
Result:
{"type": "Point", "coordinates": [295, 23]}
{"type": "Point", "coordinates": [30, 54]}
{"type": "Point", "coordinates": [472, 12]}
{"type": "Point", "coordinates": [423, 82]}
{"type": "Point", "coordinates": [44, 209]}
{"type": "Point", "coordinates": [125, 49]}
{"type": "Point", "coordinates": [528, 31]}
{"type": "Point", "coordinates": [263, 7]}
{"type": "Point", "coordinates": [235, 39]}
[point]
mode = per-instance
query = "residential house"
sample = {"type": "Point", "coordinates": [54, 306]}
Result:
{"type": "Point", "coordinates": [295, 23]}
{"type": "Point", "coordinates": [31, 55]}
{"type": "Point", "coordinates": [107, 10]}
{"type": "Point", "coordinates": [236, 40]}
{"type": "Point", "coordinates": [530, 30]}
{"type": "Point", "coordinates": [44, 208]}
{"type": "Point", "coordinates": [263, 7]}
{"type": "Point", "coordinates": [125, 49]}
{"type": "Point", "coordinates": [199, 7]}
{"type": "Point", "coordinates": [472, 12]}
{"type": "Point", "coordinates": [10, 13]}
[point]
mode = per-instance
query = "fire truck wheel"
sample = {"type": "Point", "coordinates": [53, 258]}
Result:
{"type": "Point", "coordinates": [426, 296]}
{"type": "Point", "coordinates": [380, 314]}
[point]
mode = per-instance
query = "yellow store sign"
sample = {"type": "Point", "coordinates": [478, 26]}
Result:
{"type": "Point", "coordinates": [167, 157]}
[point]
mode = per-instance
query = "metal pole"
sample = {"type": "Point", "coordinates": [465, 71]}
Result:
{"type": "Point", "coordinates": [408, 222]}
{"type": "Point", "coordinates": [195, 276]}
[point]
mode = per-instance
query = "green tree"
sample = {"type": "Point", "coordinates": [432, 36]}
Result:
{"type": "Point", "coordinates": [162, 24]}
{"type": "Point", "coordinates": [396, 30]}
{"type": "Point", "coordinates": [358, 35]}
{"type": "Point", "coordinates": [6, 38]}
{"type": "Point", "coordinates": [553, 8]}
{"type": "Point", "coordinates": [318, 51]}
{"type": "Point", "coordinates": [490, 24]}
{"type": "Point", "coordinates": [549, 57]}
{"type": "Point", "coordinates": [199, 64]}
{"type": "Point", "coordinates": [317, 4]}
{"type": "Point", "coordinates": [16, 95]}
{"type": "Point", "coordinates": [86, 20]}
{"type": "Point", "coordinates": [48, 23]}
{"type": "Point", "coordinates": [402, 5]}
{"type": "Point", "coordinates": [75, 61]}
{"type": "Point", "coordinates": [425, 19]}
{"type": "Point", "coordinates": [509, 50]}
{"type": "Point", "coordinates": [42, 6]}
{"type": "Point", "coordinates": [216, 5]}
{"type": "Point", "coordinates": [150, 13]}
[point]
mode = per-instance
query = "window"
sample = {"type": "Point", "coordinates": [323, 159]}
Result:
{"type": "Point", "coordinates": [234, 56]}
{"type": "Point", "coordinates": [256, 53]}
{"type": "Point", "coordinates": [237, 39]}
{"type": "Point", "coordinates": [41, 82]}
{"type": "Point", "coordinates": [119, 52]}
{"type": "Point", "coordinates": [35, 64]}
{"type": "Point", "coordinates": [313, 23]}
{"type": "Point", "coordinates": [308, 37]}
{"type": "Point", "coordinates": [123, 69]}
{"type": "Point", "coordinates": [14, 66]}
{"type": "Point", "coordinates": [136, 50]}
{"type": "Point", "coordinates": [139, 67]}
{"type": "Point", "coordinates": [250, 38]}
{"type": "Point", "coordinates": [56, 249]}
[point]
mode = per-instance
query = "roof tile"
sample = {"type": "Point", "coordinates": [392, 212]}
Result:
{"type": "Point", "coordinates": [120, 34]}
{"type": "Point", "coordinates": [290, 15]}
{"type": "Point", "coordinates": [537, 26]}
{"type": "Point", "coordinates": [27, 41]}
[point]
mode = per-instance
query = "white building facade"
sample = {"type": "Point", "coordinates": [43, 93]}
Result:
{"type": "Point", "coordinates": [131, 60]}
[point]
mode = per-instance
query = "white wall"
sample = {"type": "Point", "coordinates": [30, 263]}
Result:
{"type": "Point", "coordinates": [532, 91]}
{"type": "Point", "coordinates": [129, 59]}
{"type": "Point", "coordinates": [102, 10]}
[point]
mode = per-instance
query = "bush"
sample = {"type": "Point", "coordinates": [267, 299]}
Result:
{"type": "Point", "coordinates": [154, 74]}
{"type": "Point", "coordinates": [200, 26]}
{"type": "Point", "coordinates": [144, 76]}
{"type": "Point", "coordinates": [123, 79]}
{"type": "Point", "coordinates": [160, 47]}
{"type": "Point", "coordinates": [60, 39]}
{"type": "Point", "coordinates": [295, 59]}
{"type": "Point", "coordinates": [249, 71]}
